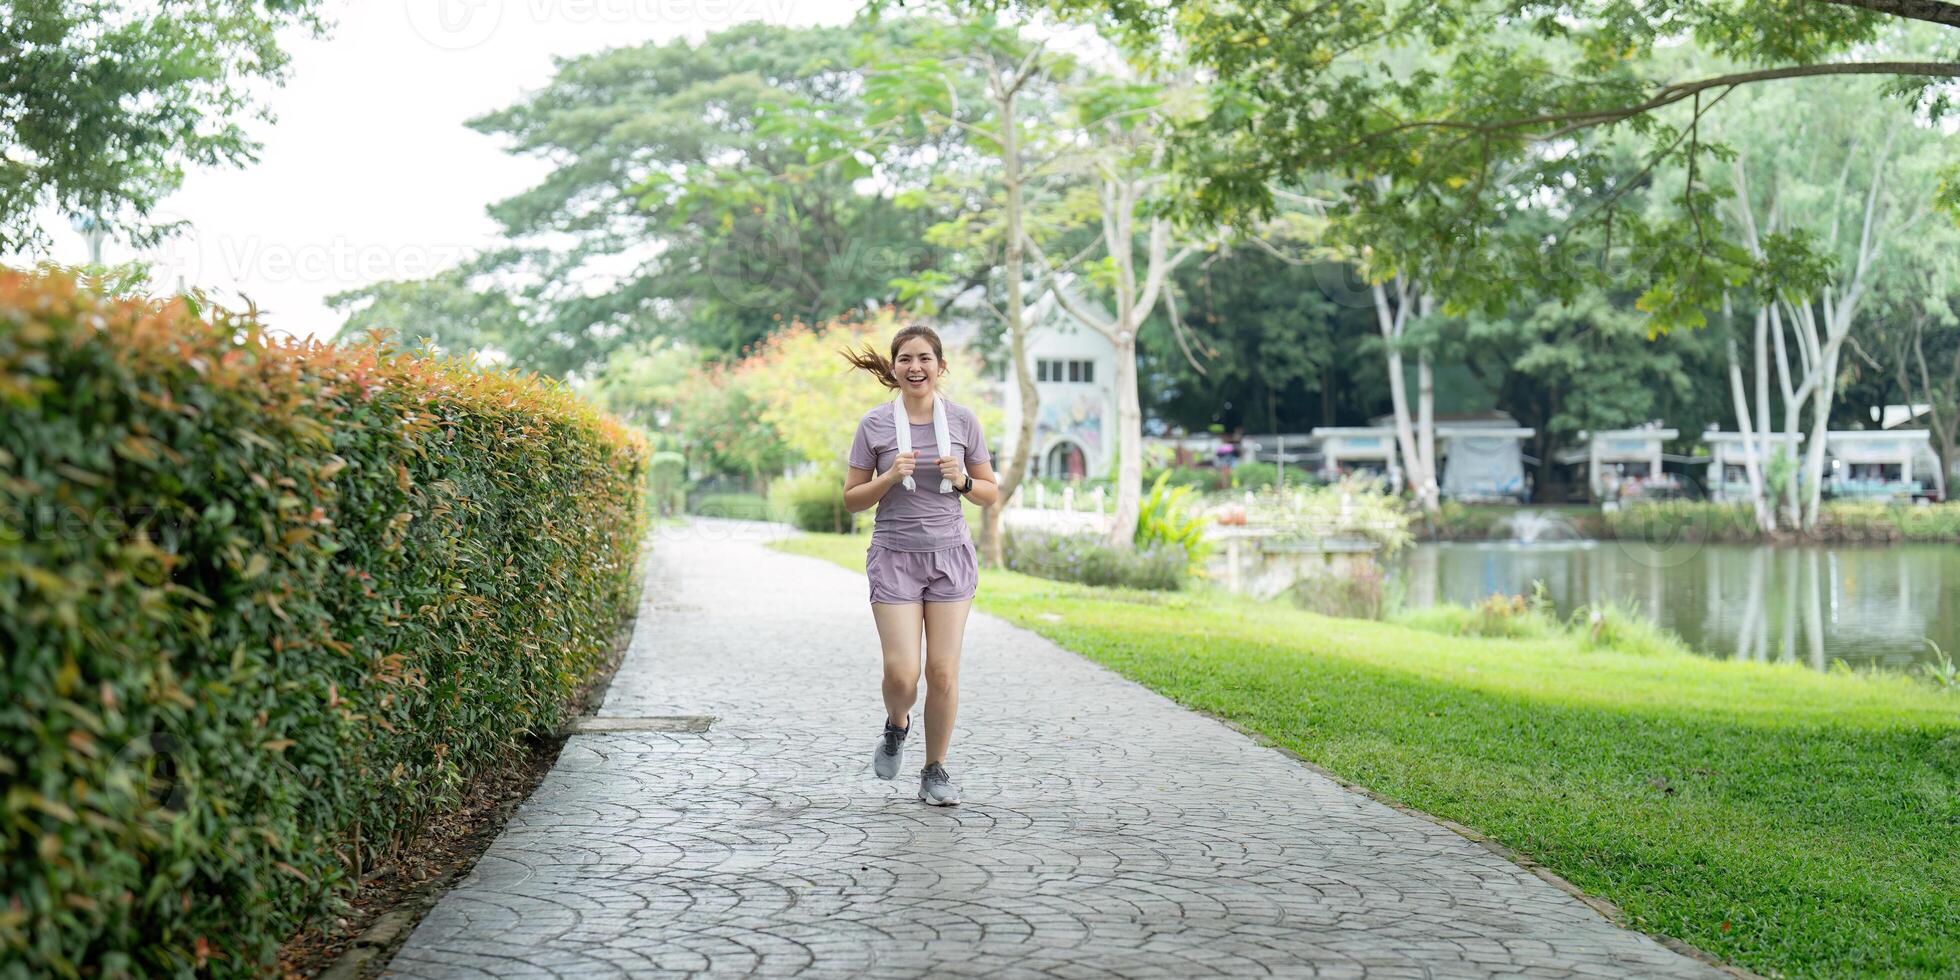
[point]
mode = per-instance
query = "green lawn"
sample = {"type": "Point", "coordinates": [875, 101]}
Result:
{"type": "Point", "coordinates": [1789, 821]}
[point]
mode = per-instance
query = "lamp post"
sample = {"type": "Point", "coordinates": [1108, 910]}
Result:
{"type": "Point", "coordinates": [93, 230]}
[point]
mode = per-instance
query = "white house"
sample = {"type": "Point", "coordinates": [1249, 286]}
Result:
{"type": "Point", "coordinates": [1075, 371]}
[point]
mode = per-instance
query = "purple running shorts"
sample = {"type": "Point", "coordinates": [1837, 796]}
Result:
{"type": "Point", "coordinates": [910, 577]}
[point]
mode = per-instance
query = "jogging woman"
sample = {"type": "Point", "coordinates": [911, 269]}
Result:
{"type": "Point", "coordinates": [916, 457]}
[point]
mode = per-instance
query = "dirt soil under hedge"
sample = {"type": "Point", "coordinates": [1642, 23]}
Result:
{"type": "Point", "coordinates": [394, 897]}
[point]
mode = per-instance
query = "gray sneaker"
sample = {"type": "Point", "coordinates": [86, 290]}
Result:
{"type": "Point", "coordinates": [936, 788]}
{"type": "Point", "coordinates": [891, 746]}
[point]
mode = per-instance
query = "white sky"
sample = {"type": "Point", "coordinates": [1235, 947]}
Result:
{"type": "Point", "coordinates": [368, 173]}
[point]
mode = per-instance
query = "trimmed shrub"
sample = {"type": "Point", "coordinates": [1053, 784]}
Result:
{"type": "Point", "coordinates": [1357, 592]}
{"type": "Point", "coordinates": [1199, 479]}
{"type": "Point", "coordinates": [812, 502]}
{"type": "Point", "coordinates": [1513, 617]}
{"type": "Point", "coordinates": [746, 506]}
{"type": "Point", "coordinates": [266, 605]}
{"type": "Point", "coordinates": [1088, 560]}
{"type": "Point", "coordinates": [668, 470]}
{"type": "Point", "coordinates": [1670, 521]}
{"type": "Point", "coordinates": [1255, 475]}
{"type": "Point", "coordinates": [1612, 626]}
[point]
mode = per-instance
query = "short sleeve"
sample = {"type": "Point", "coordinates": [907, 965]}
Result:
{"type": "Point", "coordinates": [862, 456]}
{"type": "Point", "coordinates": [976, 444]}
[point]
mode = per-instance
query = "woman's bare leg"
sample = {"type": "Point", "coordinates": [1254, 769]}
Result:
{"type": "Point", "coordinates": [945, 629]}
{"type": "Point", "coordinates": [898, 634]}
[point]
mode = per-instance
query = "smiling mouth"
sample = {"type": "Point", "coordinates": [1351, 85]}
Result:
{"type": "Point", "coordinates": [917, 379]}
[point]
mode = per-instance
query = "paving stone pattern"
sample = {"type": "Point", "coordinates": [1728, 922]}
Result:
{"type": "Point", "coordinates": [1106, 831]}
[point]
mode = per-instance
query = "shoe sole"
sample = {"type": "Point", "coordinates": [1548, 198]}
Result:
{"type": "Point", "coordinates": [923, 798]}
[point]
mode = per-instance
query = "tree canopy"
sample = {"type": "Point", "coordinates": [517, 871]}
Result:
{"type": "Point", "coordinates": [621, 241]}
{"type": "Point", "coordinates": [103, 105]}
{"type": "Point", "coordinates": [1431, 121]}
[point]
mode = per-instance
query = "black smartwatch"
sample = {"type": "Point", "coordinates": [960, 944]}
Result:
{"type": "Point", "coordinates": [969, 484]}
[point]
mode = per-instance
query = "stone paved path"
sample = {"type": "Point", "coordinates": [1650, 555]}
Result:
{"type": "Point", "coordinates": [1107, 832]}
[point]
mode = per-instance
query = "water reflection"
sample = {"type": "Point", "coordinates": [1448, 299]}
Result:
{"type": "Point", "coordinates": [1864, 605]}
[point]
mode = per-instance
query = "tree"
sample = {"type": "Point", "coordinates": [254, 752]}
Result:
{"type": "Point", "coordinates": [1124, 124]}
{"type": "Point", "coordinates": [1562, 368]}
{"type": "Point", "coordinates": [106, 104]}
{"type": "Point", "coordinates": [1273, 340]}
{"type": "Point", "coordinates": [1853, 189]}
{"type": "Point", "coordinates": [666, 213]}
{"type": "Point", "coordinates": [451, 311]}
{"type": "Point", "coordinates": [990, 90]}
{"type": "Point", "coordinates": [1919, 337]}
{"type": "Point", "coordinates": [643, 384]}
{"type": "Point", "coordinates": [1302, 89]}
{"type": "Point", "coordinates": [1397, 301]}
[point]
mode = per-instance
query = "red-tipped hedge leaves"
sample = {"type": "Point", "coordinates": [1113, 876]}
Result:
{"type": "Point", "coordinates": [265, 605]}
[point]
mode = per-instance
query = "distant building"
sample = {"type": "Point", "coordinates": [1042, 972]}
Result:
{"type": "Point", "coordinates": [1482, 459]}
{"type": "Point", "coordinates": [1624, 462]}
{"type": "Point", "coordinates": [1359, 449]}
{"type": "Point", "coordinates": [1074, 369]}
{"type": "Point", "coordinates": [1878, 463]}
{"type": "Point", "coordinates": [1481, 455]}
{"type": "Point", "coordinates": [1730, 454]}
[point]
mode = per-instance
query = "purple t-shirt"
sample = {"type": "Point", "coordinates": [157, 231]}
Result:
{"type": "Point", "coordinates": [923, 519]}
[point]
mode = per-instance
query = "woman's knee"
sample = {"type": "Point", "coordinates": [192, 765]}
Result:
{"type": "Point", "coordinates": [940, 678]}
{"type": "Point", "coordinates": [900, 680]}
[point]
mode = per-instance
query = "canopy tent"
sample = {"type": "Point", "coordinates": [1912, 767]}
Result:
{"type": "Point", "coordinates": [1624, 461]}
{"type": "Point", "coordinates": [1876, 463]}
{"type": "Point", "coordinates": [1347, 449]}
{"type": "Point", "coordinates": [1483, 462]}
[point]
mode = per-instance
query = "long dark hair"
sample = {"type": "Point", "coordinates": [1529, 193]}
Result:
{"type": "Point", "coordinates": [880, 365]}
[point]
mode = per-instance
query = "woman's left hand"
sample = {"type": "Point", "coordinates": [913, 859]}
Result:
{"type": "Point", "coordinates": [949, 467]}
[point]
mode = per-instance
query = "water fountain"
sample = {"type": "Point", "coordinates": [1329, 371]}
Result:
{"type": "Point", "coordinates": [1534, 526]}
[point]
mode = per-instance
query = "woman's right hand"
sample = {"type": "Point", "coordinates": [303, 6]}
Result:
{"type": "Point", "coordinates": [903, 465]}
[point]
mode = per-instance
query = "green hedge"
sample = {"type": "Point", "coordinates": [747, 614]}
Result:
{"type": "Point", "coordinates": [813, 501]}
{"type": "Point", "coordinates": [266, 605]}
{"type": "Point", "coordinates": [743, 506]}
{"type": "Point", "coordinates": [1088, 560]}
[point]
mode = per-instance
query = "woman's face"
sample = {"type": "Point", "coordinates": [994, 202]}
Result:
{"type": "Point", "coordinates": [916, 366]}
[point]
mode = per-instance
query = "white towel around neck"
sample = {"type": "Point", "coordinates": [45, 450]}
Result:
{"type": "Point", "coordinates": [903, 425]}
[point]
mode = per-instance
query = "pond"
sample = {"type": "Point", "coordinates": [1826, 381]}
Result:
{"type": "Point", "coordinates": [1868, 606]}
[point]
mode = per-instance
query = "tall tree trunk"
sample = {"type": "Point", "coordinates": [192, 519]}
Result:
{"type": "Point", "coordinates": [1417, 463]}
{"type": "Point", "coordinates": [1430, 495]}
{"type": "Point", "coordinates": [992, 547]}
{"type": "Point", "coordinates": [1794, 397]}
{"type": "Point", "coordinates": [1746, 426]}
{"type": "Point", "coordinates": [1939, 417]}
{"type": "Point", "coordinates": [1813, 458]}
{"type": "Point", "coordinates": [1129, 443]}
{"type": "Point", "coordinates": [1761, 433]}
